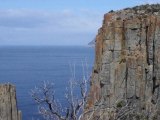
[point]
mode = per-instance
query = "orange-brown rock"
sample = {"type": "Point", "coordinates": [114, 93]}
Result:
{"type": "Point", "coordinates": [127, 63]}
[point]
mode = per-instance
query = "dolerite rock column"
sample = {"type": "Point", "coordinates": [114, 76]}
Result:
{"type": "Point", "coordinates": [8, 103]}
{"type": "Point", "coordinates": [127, 63]}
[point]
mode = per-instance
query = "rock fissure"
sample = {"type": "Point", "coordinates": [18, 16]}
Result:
{"type": "Point", "coordinates": [147, 56]}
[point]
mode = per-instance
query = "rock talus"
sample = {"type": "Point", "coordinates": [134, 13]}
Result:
{"type": "Point", "coordinates": [8, 103]}
{"type": "Point", "coordinates": [127, 63]}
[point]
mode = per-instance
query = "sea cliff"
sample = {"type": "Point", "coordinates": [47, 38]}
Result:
{"type": "Point", "coordinates": [8, 103]}
{"type": "Point", "coordinates": [126, 72]}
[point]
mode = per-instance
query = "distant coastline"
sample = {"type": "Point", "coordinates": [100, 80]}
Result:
{"type": "Point", "coordinates": [92, 43]}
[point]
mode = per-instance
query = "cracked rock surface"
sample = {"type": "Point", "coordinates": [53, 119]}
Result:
{"type": "Point", "coordinates": [127, 63]}
{"type": "Point", "coordinates": [8, 103]}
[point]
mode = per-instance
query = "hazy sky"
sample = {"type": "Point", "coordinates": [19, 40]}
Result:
{"type": "Point", "coordinates": [55, 22]}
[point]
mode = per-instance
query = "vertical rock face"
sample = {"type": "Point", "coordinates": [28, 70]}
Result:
{"type": "Point", "coordinates": [8, 104]}
{"type": "Point", "coordinates": [127, 63]}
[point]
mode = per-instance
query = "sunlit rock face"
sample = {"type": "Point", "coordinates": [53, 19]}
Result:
{"type": "Point", "coordinates": [8, 103]}
{"type": "Point", "coordinates": [127, 63]}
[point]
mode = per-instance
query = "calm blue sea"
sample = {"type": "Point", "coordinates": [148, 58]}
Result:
{"type": "Point", "coordinates": [27, 67]}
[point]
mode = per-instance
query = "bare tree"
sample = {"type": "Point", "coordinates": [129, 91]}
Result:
{"type": "Point", "coordinates": [51, 108]}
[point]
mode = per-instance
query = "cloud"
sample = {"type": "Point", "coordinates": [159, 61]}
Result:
{"type": "Point", "coordinates": [65, 19]}
{"type": "Point", "coordinates": [29, 27]}
{"type": "Point", "coordinates": [152, 1]}
{"type": "Point", "coordinates": [147, 1]}
{"type": "Point", "coordinates": [20, 19]}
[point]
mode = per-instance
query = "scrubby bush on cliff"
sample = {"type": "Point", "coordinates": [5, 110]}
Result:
{"type": "Point", "coordinates": [50, 108]}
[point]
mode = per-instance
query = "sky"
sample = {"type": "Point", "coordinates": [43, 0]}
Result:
{"type": "Point", "coordinates": [55, 22]}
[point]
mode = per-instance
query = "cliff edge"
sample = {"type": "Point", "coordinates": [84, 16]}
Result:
{"type": "Point", "coordinates": [8, 103]}
{"type": "Point", "coordinates": [126, 73]}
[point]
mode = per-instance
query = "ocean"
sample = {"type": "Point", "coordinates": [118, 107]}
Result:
{"type": "Point", "coordinates": [28, 66]}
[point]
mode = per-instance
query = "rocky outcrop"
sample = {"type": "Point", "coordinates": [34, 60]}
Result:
{"type": "Point", "coordinates": [8, 104]}
{"type": "Point", "coordinates": [92, 43]}
{"type": "Point", "coordinates": [127, 63]}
